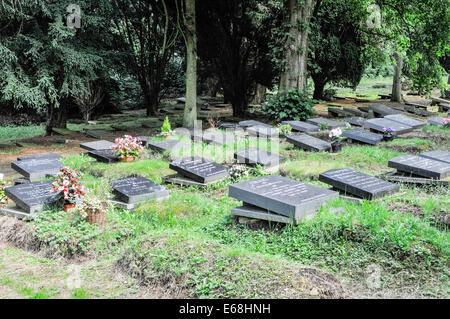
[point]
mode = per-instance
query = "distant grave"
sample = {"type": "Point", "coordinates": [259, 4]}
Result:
{"type": "Point", "coordinates": [363, 136]}
{"type": "Point", "coordinates": [167, 145]}
{"type": "Point", "coordinates": [97, 145]}
{"type": "Point", "coordinates": [49, 156]}
{"type": "Point", "coordinates": [104, 156]}
{"type": "Point", "coordinates": [262, 131]}
{"type": "Point", "coordinates": [218, 138]}
{"type": "Point", "coordinates": [355, 121]}
{"type": "Point", "coordinates": [405, 120]}
{"type": "Point", "coordinates": [380, 124]}
{"type": "Point", "coordinates": [250, 123]}
{"type": "Point", "coordinates": [357, 184]}
{"type": "Point", "coordinates": [421, 166]}
{"type": "Point", "coordinates": [436, 121]}
{"type": "Point", "coordinates": [438, 155]}
{"type": "Point", "coordinates": [255, 156]}
{"type": "Point", "coordinates": [382, 110]}
{"type": "Point", "coordinates": [330, 123]}
{"type": "Point", "coordinates": [199, 169]}
{"type": "Point", "coordinates": [300, 126]}
{"type": "Point", "coordinates": [309, 143]}
{"type": "Point", "coordinates": [37, 169]}
{"type": "Point", "coordinates": [279, 196]}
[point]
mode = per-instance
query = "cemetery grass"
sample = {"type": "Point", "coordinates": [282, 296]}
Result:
{"type": "Point", "coordinates": [20, 132]}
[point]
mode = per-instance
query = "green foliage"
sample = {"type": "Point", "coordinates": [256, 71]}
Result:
{"type": "Point", "coordinates": [166, 128]}
{"type": "Point", "coordinates": [290, 105]}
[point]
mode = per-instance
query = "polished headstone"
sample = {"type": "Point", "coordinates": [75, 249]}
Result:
{"type": "Point", "coordinates": [355, 121]}
{"type": "Point", "coordinates": [104, 156]}
{"type": "Point", "coordinates": [363, 136]}
{"type": "Point", "coordinates": [250, 211]}
{"type": "Point", "coordinates": [32, 197]}
{"type": "Point", "coordinates": [282, 195]}
{"type": "Point", "coordinates": [168, 145]}
{"type": "Point", "coordinates": [35, 170]}
{"type": "Point", "coordinates": [380, 124]}
{"type": "Point", "coordinates": [300, 126]}
{"type": "Point", "coordinates": [383, 110]}
{"type": "Point", "coordinates": [405, 120]}
{"type": "Point", "coordinates": [357, 184]}
{"type": "Point", "coordinates": [250, 123]}
{"type": "Point", "coordinates": [309, 143]}
{"type": "Point", "coordinates": [330, 123]}
{"type": "Point", "coordinates": [218, 138]}
{"type": "Point", "coordinates": [255, 156]}
{"type": "Point", "coordinates": [421, 166]}
{"type": "Point", "coordinates": [97, 145]}
{"type": "Point", "coordinates": [262, 131]}
{"type": "Point", "coordinates": [199, 169]}
{"type": "Point", "coordinates": [132, 190]}
{"type": "Point", "coordinates": [438, 155]}
{"type": "Point", "coordinates": [50, 156]}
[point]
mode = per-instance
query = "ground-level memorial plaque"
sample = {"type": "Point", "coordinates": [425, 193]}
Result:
{"type": "Point", "coordinates": [50, 156]}
{"type": "Point", "coordinates": [300, 126]}
{"type": "Point", "coordinates": [383, 110]}
{"type": "Point", "coordinates": [309, 143]}
{"type": "Point", "coordinates": [218, 138]}
{"type": "Point", "coordinates": [132, 190]}
{"type": "Point", "coordinates": [436, 121]}
{"type": "Point", "coordinates": [199, 169]}
{"type": "Point", "coordinates": [250, 123]}
{"type": "Point", "coordinates": [30, 198]}
{"type": "Point", "coordinates": [35, 170]}
{"type": "Point", "coordinates": [262, 131]}
{"type": "Point", "coordinates": [355, 121]}
{"type": "Point", "coordinates": [380, 124]}
{"type": "Point", "coordinates": [168, 145]}
{"type": "Point", "coordinates": [438, 155]}
{"type": "Point", "coordinates": [255, 156]}
{"type": "Point", "coordinates": [97, 145]}
{"type": "Point", "coordinates": [363, 136]}
{"type": "Point", "coordinates": [357, 184]}
{"type": "Point", "coordinates": [282, 196]}
{"type": "Point", "coordinates": [104, 156]}
{"type": "Point", "coordinates": [330, 123]}
{"type": "Point", "coordinates": [420, 166]}
{"type": "Point", "coordinates": [405, 120]}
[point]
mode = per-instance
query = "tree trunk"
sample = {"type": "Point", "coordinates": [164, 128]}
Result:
{"type": "Point", "coordinates": [190, 109]}
{"type": "Point", "coordinates": [239, 103]}
{"type": "Point", "coordinates": [397, 83]}
{"type": "Point", "coordinates": [56, 118]}
{"type": "Point", "coordinates": [260, 94]}
{"type": "Point", "coordinates": [294, 75]}
{"type": "Point", "coordinates": [319, 86]}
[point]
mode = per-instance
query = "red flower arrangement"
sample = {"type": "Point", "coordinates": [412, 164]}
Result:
{"type": "Point", "coordinates": [68, 184]}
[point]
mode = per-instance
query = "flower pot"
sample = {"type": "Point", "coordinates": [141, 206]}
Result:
{"type": "Point", "coordinates": [96, 216]}
{"type": "Point", "coordinates": [69, 206]}
{"type": "Point", "coordinates": [388, 137]}
{"type": "Point", "coordinates": [128, 159]}
{"type": "Point", "coordinates": [336, 146]}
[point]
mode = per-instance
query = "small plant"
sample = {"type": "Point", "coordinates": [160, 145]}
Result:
{"type": "Point", "coordinates": [213, 122]}
{"type": "Point", "coordinates": [388, 134]}
{"type": "Point", "coordinates": [323, 126]}
{"type": "Point", "coordinates": [445, 122]}
{"type": "Point", "coordinates": [127, 147]}
{"type": "Point", "coordinates": [290, 105]}
{"type": "Point", "coordinates": [68, 184]}
{"type": "Point", "coordinates": [92, 209]}
{"type": "Point", "coordinates": [284, 129]}
{"type": "Point", "coordinates": [3, 198]}
{"type": "Point", "coordinates": [238, 171]}
{"type": "Point", "coordinates": [166, 128]}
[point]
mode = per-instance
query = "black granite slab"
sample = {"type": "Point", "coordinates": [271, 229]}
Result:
{"type": "Point", "coordinates": [300, 126]}
{"type": "Point", "coordinates": [355, 121]}
{"type": "Point", "coordinates": [132, 190]}
{"type": "Point", "coordinates": [309, 143]}
{"type": "Point", "coordinates": [199, 169]}
{"type": "Point", "coordinates": [255, 156]}
{"type": "Point", "coordinates": [104, 156]}
{"type": "Point", "coordinates": [379, 124]}
{"type": "Point", "coordinates": [420, 166]}
{"type": "Point", "coordinates": [382, 110]}
{"type": "Point", "coordinates": [32, 197]}
{"type": "Point", "coordinates": [262, 131]}
{"type": "Point", "coordinates": [97, 145]}
{"type": "Point", "coordinates": [363, 136]}
{"type": "Point", "coordinates": [250, 123]}
{"type": "Point", "coordinates": [405, 120]}
{"type": "Point", "coordinates": [357, 184]}
{"type": "Point", "coordinates": [35, 170]}
{"type": "Point", "coordinates": [50, 156]}
{"type": "Point", "coordinates": [218, 138]}
{"type": "Point", "coordinates": [438, 155]}
{"type": "Point", "coordinates": [282, 195]}
{"type": "Point", "coordinates": [330, 123]}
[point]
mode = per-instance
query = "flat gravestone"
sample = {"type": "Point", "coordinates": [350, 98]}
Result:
{"type": "Point", "coordinates": [380, 124]}
{"type": "Point", "coordinates": [168, 145]}
{"type": "Point", "coordinates": [97, 145]}
{"type": "Point", "coordinates": [32, 197]}
{"type": "Point", "coordinates": [104, 156]}
{"type": "Point", "coordinates": [250, 123]}
{"type": "Point", "coordinates": [420, 166]}
{"type": "Point", "coordinates": [51, 156]}
{"type": "Point", "coordinates": [218, 138]}
{"type": "Point", "coordinates": [35, 170]}
{"type": "Point", "coordinates": [300, 126]}
{"type": "Point", "coordinates": [309, 143]}
{"type": "Point", "coordinates": [383, 110]}
{"type": "Point", "coordinates": [441, 156]}
{"type": "Point", "coordinates": [132, 190]}
{"type": "Point", "coordinates": [262, 131]}
{"type": "Point", "coordinates": [355, 121]}
{"type": "Point", "coordinates": [436, 121]}
{"type": "Point", "coordinates": [255, 156]}
{"type": "Point", "coordinates": [282, 196]}
{"type": "Point", "coordinates": [363, 136]}
{"type": "Point", "coordinates": [145, 140]}
{"type": "Point", "coordinates": [405, 120]}
{"type": "Point", "coordinates": [229, 125]}
{"type": "Point", "coordinates": [330, 123]}
{"type": "Point", "coordinates": [199, 169]}
{"type": "Point", "coordinates": [357, 184]}
{"type": "Point", "coordinates": [253, 212]}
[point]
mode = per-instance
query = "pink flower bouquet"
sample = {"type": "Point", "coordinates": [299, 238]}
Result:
{"type": "Point", "coordinates": [128, 146]}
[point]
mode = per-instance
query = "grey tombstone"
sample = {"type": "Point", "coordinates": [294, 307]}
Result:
{"type": "Point", "coordinates": [379, 124]}
{"type": "Point", "coordinates": [330, 123]}
{"type": "Point", "coordinates": [218, 138]}
{"type": "Point", "coordinates": [32, 197]}
{"type": "Point", "coordinates": [133, 190]}
{"type": "Point", "coordinates": [363, 136]}
{"type": "Point", "coordinates": [104, 156]}
{"type": "Point", "coordinates": [382, 110]}
{"type": "Point", "coordinates": [357, 184]}
{"type": "Point", "coordinates": [51, 156]}
{"type": "Point", "coordinates": [283, 196]}
{"type": "Point", "coordinates": [168, 145]}
{"type": "Point", "coordinates": [436, 120]}
{"type": "Point", "coordinates": [97, 145]}
{"type": "Point", "coordinates": [300, 126]}
{"type": "Point", "coordinates": [355, 121]}
{"type": "Point", "coordinates": [405, 120]}
{"type": "Point", "coordinates": [438, 155]}
{"type": "Point", "coordinates": [309, 143]}
{"type": "Point", "coordinates": [145, 140]}
{"type": "Point", "coordinates": [420, 166]}
{"type": "Point", "coordinates": [35, 170]}
{"type": "Point", "coordinates": [255, 156]}
{"type": "Point", "coordinates": [250, 123]}
{"type": "Point", "coordinates": [250, 211]}
{"type": "Point", "coordinates": [262, 131]}
{"type": "Point", "coordinates": [229, 125]}
{"type": "Point", "coordinates": [199, 169]}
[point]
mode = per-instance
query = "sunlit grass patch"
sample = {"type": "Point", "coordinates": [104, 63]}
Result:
{"type": "Point", "coordinates": [20, 132]}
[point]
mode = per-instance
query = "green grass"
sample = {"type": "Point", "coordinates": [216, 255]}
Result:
{"type": "Point", "coordinates": [20, 132]}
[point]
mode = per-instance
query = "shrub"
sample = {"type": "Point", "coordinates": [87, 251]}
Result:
{"type": "Point", "coordinates": [166, 128]}
{"type": "Point", "coordinates": [290, 105]}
